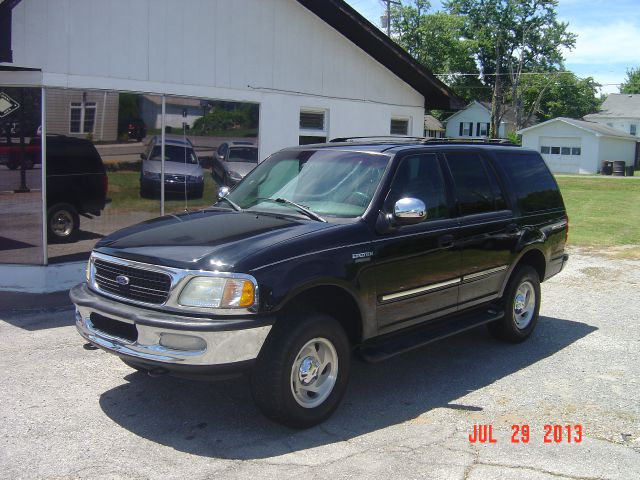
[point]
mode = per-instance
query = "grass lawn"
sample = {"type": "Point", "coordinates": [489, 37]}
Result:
{"type": "Point", "coordinates": [124, 191]}
{"type": "Point", "coordinates": [603, 211]}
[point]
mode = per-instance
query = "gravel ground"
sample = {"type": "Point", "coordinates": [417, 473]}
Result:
{"type": "Point", "coordinates": [71, 413]}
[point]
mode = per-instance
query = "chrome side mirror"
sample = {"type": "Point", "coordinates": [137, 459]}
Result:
{"type": "Point", "coordinates": [223, 192]}
{"type": "Point", "coordinates": [409, 210]}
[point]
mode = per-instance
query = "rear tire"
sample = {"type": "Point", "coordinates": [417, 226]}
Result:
{"type": "Point", "coordinates": [63, 223]}
{"type": "Point", "coordinates": [521, 303]}
{"type": "Point", "coordinates": [302, 371]}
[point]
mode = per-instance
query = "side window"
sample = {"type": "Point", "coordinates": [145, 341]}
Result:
{"type": "Point", "coordinates": [532, 181]}
{"type": "Point", "coordinates": [419, 176]}
{"type": "Point", "coordinates": [473, 189]}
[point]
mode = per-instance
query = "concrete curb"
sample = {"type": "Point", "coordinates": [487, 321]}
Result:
{"type": "Point", "coordinates": [41, 279]}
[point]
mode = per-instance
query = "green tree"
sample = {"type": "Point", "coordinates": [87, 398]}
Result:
{"type": "Point", "coordinates": [435, 40]}
{"type": "Point", "coordinates": [512, 37]}
{"type": "Point", "coordinates": [558, 94]}
{"type": "Point", "coordinates": [631, 84]}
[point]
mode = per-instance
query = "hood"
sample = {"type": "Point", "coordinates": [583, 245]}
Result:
{"type": "Point", "coordinates": [240, 167]}
{"type": "Point", "coordinates": [206, 239]}
{"type": "Point", "coordinates": [173, 168]}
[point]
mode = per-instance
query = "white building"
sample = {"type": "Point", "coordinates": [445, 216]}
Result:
{"type": "Point", "coordinates": [620, 111]}
{"type": "Point", "coordinates": [578, 146]}
{"type": "Point", "coordinates": [474, 120]}
{"type": "Point", "coordinates": [288, 56]}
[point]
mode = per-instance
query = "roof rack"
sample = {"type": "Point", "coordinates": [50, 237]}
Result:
{"type": "Point", "coordinates": [427, 140]}
{"type": "Point", "coordinates": [378, 138]}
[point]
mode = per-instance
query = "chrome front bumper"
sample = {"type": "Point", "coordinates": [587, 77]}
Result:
{"type": "Point", "coordinates": [201, 341]}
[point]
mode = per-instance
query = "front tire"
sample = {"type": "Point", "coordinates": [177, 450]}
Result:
{"type": "Point", "coordinates": [302, 371]}
{"type": "Point", "coordinates": [521, 302]}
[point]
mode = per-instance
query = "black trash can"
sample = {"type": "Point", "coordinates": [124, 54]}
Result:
{"type": "Point", "coordinates": [618, 168]}
{"type": "Point", "coordinates": [629, 171]}
{"type": "Point", "coordinates": [606, 168]}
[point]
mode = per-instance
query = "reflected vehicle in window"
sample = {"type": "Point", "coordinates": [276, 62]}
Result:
{"type": "Point", "coordinates": [233, 160]}
{"type": "Point", "coordinates": [12, 156]}
{"type": "Point", "coordinates": [182, 170]}
{"type": "Point", "coordinates": [77, 184]}
{"type": "Point", "coordinates": [135, 128]}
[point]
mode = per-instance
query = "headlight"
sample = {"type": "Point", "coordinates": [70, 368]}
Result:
{"type": "Point", "coordinates": [151, 175]}
{"type": "Point", "coordinates": [218, 292]}
{"type": "Point", "coordinates": [235, 175]}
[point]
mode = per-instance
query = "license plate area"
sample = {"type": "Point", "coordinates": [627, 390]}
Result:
{"type": "Point", "coordinates": [114, 328]}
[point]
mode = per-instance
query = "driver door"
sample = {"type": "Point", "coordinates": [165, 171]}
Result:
{"type": "Point", "coordinates": [417, 267]}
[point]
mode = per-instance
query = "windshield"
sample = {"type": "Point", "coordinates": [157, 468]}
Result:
{"type": "Point", "coordinates": [327, 182]}
{"type": "Point", "coordinates": [243, 154]}
{"type": "Point", "coordinates": [174, 153]}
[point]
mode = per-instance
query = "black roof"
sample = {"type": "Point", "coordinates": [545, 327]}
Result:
{"type": "Point", "coordinates": [373, 41]}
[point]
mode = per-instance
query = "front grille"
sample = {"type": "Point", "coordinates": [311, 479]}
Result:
{"type": "Point", "coordinates": [143, 286]}
{"type": "Point", "coordinates": [174, 178]}
{"type": "Point", "coordinates": [114, 328]}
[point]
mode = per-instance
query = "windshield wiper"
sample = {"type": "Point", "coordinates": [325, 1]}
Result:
{"type": "Point", "coordinates": [309, 213]}
{"type": "Point", "coordinates": [233, 204]}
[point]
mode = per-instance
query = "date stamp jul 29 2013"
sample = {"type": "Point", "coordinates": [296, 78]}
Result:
{"type": "Point", "coordinates": [523, 433]}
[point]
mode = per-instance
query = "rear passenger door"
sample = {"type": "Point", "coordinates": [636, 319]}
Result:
{"type": "Point", "coordinates": [488, 233]}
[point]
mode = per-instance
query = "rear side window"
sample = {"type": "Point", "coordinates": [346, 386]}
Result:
{"type": "Point", "coordinates": [68, 156]}
{"type": "Point", "coordinates": [532, 181]}
{"type": "Point", "coordinates": [474, 190]}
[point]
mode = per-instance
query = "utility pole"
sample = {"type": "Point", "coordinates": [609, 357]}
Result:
{"type": "Point", "coordinates": [388, 17]}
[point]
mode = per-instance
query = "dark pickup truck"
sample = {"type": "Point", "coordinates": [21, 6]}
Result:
{"type": "Point", "coordinates": [370, 247]}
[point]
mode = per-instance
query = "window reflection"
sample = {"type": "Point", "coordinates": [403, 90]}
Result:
{"type": "Point", "coordinates": [20, 176]}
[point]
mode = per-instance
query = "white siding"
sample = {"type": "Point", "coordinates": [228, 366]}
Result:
{"type": "Point", "coordinates": [594, 149]}
{"type": "Point", "coordinates": [473, 113]}
{"type": "Point", "coordinates": [622, 124]}
{"type": "Point", "coordinates": [272, 52]}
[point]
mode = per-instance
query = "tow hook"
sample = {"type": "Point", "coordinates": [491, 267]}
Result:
{"type": "Point", "coordinates": [89, 346]}
{"type": "Point", "coordinates": [157, 372]}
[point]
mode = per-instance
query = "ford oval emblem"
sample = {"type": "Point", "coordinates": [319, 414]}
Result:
{"type": "Point", "coordinates": [122, 280]}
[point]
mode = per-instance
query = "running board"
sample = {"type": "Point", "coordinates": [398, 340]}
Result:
{"type": "Point", "coordinates": [388, 346]}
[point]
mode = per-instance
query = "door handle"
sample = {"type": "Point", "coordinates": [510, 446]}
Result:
{"type": "Point", "coordinates": [446, 241]}
{"type": "Point", "coordinates": [512, 228]}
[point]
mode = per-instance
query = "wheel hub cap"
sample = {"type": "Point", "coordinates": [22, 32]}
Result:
{"type": "Point", "coordinates": [524, 304]}
{"type": "Point", "coordinates": [308, 370]}
{"type": "Point", "coordinates": [314, 372]}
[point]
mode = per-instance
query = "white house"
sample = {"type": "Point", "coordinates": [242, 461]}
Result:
{"type": "Point", "coordinates": [578, 146]}
{"type": "Point", "coordinates": [620, 111]}
{"type": "Point", "coordinates": [473, 122]}
{"type": "Point", "coordinates": [315, 69]}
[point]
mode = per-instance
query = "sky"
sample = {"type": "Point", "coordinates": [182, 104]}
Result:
{"type": "Point", "coordinates": [608, 36]}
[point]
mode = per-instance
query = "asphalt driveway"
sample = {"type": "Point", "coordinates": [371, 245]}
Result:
{"type": "Point", "coordinates": [71, 413]}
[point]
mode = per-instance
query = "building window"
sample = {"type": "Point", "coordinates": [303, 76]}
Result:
{"type": "Point", "coordinates": [399, 126]}
{"type": "Point", "coordinates": [576, 151]}
{"type": "Point", "coordinates": [482, 129]}
{"type": "Point", "coordinates": [545, 149]}
{"type": "Point", "coordinates": [555, 150]}
{"type": "Point", "coordinates": [632, 129]}
{"type": "Point", "coordinates": [466, 129]}
{"type": "Point", "coordinates": [311, 120]}
{"type": "Point", "coordinates": [82, 118]}
{"type": "Point", "coordinates": [565, 151]}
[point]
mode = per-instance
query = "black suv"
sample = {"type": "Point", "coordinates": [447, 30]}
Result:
{"type": "Point", "coordinates": [77, 184]}
{"type": "Point", "coordinates": [370, 247]}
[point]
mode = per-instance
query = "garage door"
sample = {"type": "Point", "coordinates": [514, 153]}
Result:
{"type": "Point", "coordinates": [562, 154]}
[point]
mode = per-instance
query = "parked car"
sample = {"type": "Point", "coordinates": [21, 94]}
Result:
{"type": "Point", "coordinates": [135, 128]}
{"type": "Point", "coordinates": [371, 247]}
{"type": "Point", "coordinates": [233, 160]}
{"type": "Point", "coordinates": [182, 170]}
{"type": "Point", "coordinates": [77, 184]}
{"type": "Point", "coordinates": [12, 157]}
